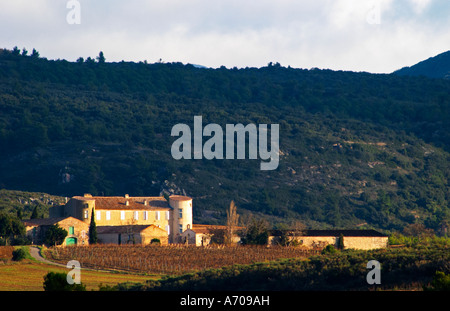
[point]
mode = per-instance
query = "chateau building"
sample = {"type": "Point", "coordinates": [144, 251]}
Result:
{"type": "Point", "coordinates": [127, 219]}
{"type": "Point", "coordinates": [144, 220]}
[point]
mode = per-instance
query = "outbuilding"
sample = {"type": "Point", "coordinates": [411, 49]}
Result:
{"type": "Point", "coordinates": [357, 239]}
{"type": "Point", "coordinates": [77, 230]}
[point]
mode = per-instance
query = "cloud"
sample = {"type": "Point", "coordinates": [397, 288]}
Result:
{"type": "Point", "coordinates": [335, 34]}
{"type": "Point", "coordinates": [420, 5]}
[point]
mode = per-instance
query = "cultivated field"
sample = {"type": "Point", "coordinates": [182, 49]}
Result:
{"type": "Point", "coordinates": [6, 252]}
{"type": "Point", "coordinates": [28, 275]}
{"type": "Point", "coordinates": [169, 259]}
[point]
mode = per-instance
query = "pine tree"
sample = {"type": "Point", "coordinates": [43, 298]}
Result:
{"type": "Point", "coordinates": [35, 54]}
{"type": "Point", "coordinates": [101, 58]}
{"type": "Point", "coordinates": [92, 230]}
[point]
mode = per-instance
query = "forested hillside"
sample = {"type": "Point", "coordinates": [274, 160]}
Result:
{"type": "Point", "coordinates": [356, 149]}
{"type": "Point", "coordinates": [433, 67]}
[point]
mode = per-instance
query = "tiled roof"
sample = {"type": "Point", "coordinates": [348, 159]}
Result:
{"type": "Point", "coordinates": [368, 233]}
{"type": "Point", "coordinates": [180, 198]}
{"type": "Point", "coordinates": [205, 228]}
{"type": "Point", "coordinates": [44, 221]}
{"type": "Point", "coordinates": [200, 228]}
{"type": "Point", "coordinates": [134, 203]}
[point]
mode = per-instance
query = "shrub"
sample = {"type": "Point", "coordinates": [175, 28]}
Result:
{"type": "Point", "coordinates": [19, 254]}
{"type": "Point", "coordinates": [256, 233]}
{"type": "Point", "coordinates": [441, 282]}
{"type": "Point", "coordinates": [155, 241]}
{"type": "Point", "coordinates": [329, 249]}
{"type": "Point", "coordinates": [57, 281]}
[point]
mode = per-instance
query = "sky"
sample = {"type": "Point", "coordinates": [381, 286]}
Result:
{"type": "Point", "coordinates": [377, 36]}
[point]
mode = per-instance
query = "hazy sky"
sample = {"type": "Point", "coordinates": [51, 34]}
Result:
{"type": "Point", "coordinates": [360, 35]}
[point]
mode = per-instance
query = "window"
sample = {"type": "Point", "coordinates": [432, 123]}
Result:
{"type": "Point", "coordinates": [99, 215]}
{"type": "Point", "coordinates": [122, 215]}
{"type": "Point", "coordinates": [180, 213]}
{"type": "Point", "coordinates": [108, 215]}
{"type": "Point", "coordinates": [181, 228]}
{"type": "Point", "coordinates": [167, 215]}
{"type": "Point", "coordinates": [71, 230]}
{"type": "Point", "coordinates": [136, 215]}
{"type": "Point", "coordinates": [157, 215]}
{"type": "Point", "coordinates": [86, 214]}
{"type": "Point", "coordinates": [145, 215]}
{"type": "Point", "coordinates": [168, 229]}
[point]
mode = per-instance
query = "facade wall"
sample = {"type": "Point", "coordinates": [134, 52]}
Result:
{"type": "Point", "coordinates": [80, 209]}
{"type": "Point", "coordinates": [188, 237]}
{"type": "Point", "coordinates": [80, 230]}
{"type": "Point", "coordinates": [108, 238]}
{"type": "Point", "coordinates": [120, 238]}
{"type": "Point", "coordinates": [144, 217]}
{"type": "Point", "coordinates": [151, 233]}
{"type": "Point", "coordinates": [363, 243]}
{"type": "Point", "coordinates": [143, 237]}
{"type": "Point", "coordinates": [317, 241]}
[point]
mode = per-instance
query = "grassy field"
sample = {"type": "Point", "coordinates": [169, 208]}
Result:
{"type": "Point", "coordinates": [28, 275]}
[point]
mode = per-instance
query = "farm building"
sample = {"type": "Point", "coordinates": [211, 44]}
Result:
{"type": "Point", "coordinates": [78, 231]}
{"type": "Point", "coordinates": [357, 239]}
{"type": "Point", "coordinates": [201, 235]}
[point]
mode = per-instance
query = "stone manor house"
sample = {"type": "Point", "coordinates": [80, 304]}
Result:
{"type": "Point", "coordinates": [120, 220]}
{"type": "Point", "coordinates": [141, 220]}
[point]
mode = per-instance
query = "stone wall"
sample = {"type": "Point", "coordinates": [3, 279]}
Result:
{"type": "Point", "coordinates": [365, 242]}
{"type": "Point", "coordinates": [362, 242]}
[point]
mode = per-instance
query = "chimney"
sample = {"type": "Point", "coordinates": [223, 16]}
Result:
{"type": "Point", "coordinates": [126, 196]}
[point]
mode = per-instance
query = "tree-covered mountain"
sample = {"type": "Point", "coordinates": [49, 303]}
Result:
{"type": "Point", "coordinates": [356, 149]}
{"type": "Point", "coordinates": [433, 67]}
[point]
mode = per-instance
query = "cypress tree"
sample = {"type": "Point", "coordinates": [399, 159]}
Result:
{"type": "Point", "coordinates": [92, 230]}
{"type": "Point", "coordinates": [341, 241]}
{"type": "Point", "coordinates": [34, 214]}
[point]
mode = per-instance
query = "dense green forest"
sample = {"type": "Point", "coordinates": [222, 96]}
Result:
{"type": "Point", "coordinates": [356, 149]}
{"type": "Point", "coordinates": [433, 67]}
